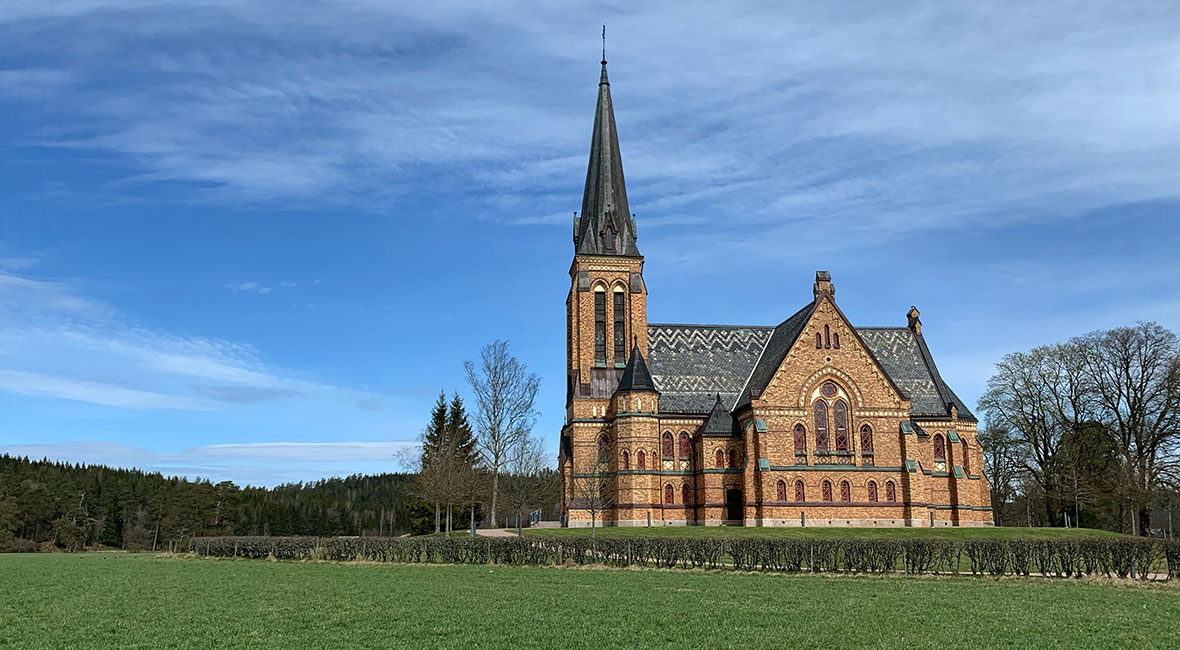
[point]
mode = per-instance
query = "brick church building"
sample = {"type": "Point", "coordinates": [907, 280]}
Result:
{"type": "Point", "coordinates": [813, 421]}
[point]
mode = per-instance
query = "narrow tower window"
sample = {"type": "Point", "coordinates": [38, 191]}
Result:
{"type": "Point", "coordinates": [890, 492]}
{"type": "Point", "coordinates": [845, 491]}
{"type": "Point", "coordinates": [600, 326]}
{"type": "Point", "coordinates": [626, 460]}
{"type": "Point", "coordinates": [800, 493]}
{"type": "Point", "coordinates": [685, 446]}
{"type": "Point", "coordinates": [666, 445]}
{"type": "Point", "coordinates": [939, 447]}
{"type": "Point", "coordinates": [827, 337]}
{"type": "Point", "coordinates": [800, 439]}
{"type": "Point", "coordinates": [686, 494]}
{"type": "Point", "coordinates": [669, 494]}
{"type": "Point", "coordinates": [720, 458]}
{"type": "Point", "coordinates": [732, 459]}
{"type": "Point", "coordinates": [819, 340]}
{"type": "Point", "coordinates": [826, 488]}
{"type": "Point", "coordinates": [873, 491]}
{"type": "Point", "coordinates": [620, 314]}
{"type": "Point", "coordinates": [640, 460]}
{"type": "Point", "coordinates": [782, 491]}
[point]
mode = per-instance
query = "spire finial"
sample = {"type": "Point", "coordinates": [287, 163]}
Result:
{"type": "Point", "coordinates": [604, 45]}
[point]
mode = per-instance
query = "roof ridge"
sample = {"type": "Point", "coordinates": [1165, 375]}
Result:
{"type": "Point", "coordinates": [758, 327]}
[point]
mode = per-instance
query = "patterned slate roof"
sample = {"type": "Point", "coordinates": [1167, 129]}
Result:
{"type": "Point", "coordinates": [907, 360]}
{"type": "Point", "coordinates": [692, 364]}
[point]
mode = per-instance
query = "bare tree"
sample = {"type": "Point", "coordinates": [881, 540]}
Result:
{"type": "Point", "coordinates": [1135, 376]}
{"type": "Point", "coordinates": [1003, 454]}
{"type": "Point", "coordinates": [1028, 395]}
{"type": "Point", "coordinates": [504, 416]}
{"type": "Point", "coordinates": [529, 480]}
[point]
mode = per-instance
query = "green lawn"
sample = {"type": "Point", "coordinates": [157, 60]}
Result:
{"type": "Point", "coordinates": [832, 533]}
{"type": "Point", "coordinates": [140, 601]}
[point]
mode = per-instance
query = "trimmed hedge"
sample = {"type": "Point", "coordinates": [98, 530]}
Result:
{"type": "Point", "coordinates": [1118, 557]}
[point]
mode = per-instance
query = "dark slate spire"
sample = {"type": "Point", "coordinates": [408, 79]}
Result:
{"type": "Point", "coordinates": [605, 226]}
{"type": "Point", "coordinates": [720, 421]}
{"type": "Point", "coordinates": [636, 376]}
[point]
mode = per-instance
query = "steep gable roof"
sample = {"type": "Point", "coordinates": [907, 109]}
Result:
{"type": "Point", "coordinates": [784, 336]}
{"type": "Point", "coordinates": [719, 422]}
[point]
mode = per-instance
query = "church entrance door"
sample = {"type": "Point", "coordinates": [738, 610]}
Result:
{"type": "Point", "coordinates": [733, 507]}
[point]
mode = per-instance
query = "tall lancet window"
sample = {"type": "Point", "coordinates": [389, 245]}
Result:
{"type": "Point", "coordinates": [820, 413]}
{"type": "Point", "coordinates": [599, 326]}
{"type": "Point", "coordinates": [620, 314]}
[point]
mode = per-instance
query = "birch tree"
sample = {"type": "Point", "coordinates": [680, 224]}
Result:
{"type": "Point", "coordinates": [504, 416]}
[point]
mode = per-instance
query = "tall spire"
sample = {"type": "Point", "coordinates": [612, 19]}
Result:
{"type": "Point", "coordinates": [605, 226]}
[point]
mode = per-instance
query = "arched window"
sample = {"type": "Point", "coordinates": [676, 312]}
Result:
{"type": "Point", "coordinates": [827, 490]}
{"type": "Point", "coordinates": [800, 495]}
{"type": "Point", "coordinates": [939, 447]}
{"type": "Point", "coordinates": [732, 459]}
{"type": "Point", "coordinates": [890, 492]}
{"type": "Point", "coordinates": [820, 409]}
{"type": "Point", "coordinates": [873, 491]}
{"type": "Point", "coordinates": [669, 495]}
{"type": "Point", "coordinates": [603, 448]}
{"type": "Point", "coordinates": [800, 438]}
{"type": "Point", "coordinates": [620, 314]}
{"type": "Point", "coordinates": [819, 341]}
{"type": "Point", "coordinates": [640, 460]}
{"type": "Point", "coordinates": [685, 446]}
{"type": "Point", "coordinates": [840, 422]}
{"type": "Point", "coordinates": [686, 494]}
{"type": "Point", "coordinates": [600, 325]}
{"type": "Point", "coordinates": [626, 460]}
{"type": "Point", "coordinates": [667, 446]}
{"type": "Point", "coordinates": [827, 337]}
{"type": "Point", "coordinates": [866, 439]}
{"type": "Point", "coordinates": [836, 340]}
{"type": "Point", "coordinates": [719, 459]}
{"type": "Point", "coordinates": [845, 491]}
{"type": "Point", "coordinates": [782, 491]}
{"type": "Point", "coordinates": [964, 461]}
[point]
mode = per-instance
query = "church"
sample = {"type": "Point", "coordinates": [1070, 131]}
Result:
{"type": "Point", "coordinates": [810, 422]}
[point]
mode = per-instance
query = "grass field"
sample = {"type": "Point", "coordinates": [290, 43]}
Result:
{"type": "Point", "coordinates": [140, 601]}
{"type": "Point", "coordinates": [819, 532]}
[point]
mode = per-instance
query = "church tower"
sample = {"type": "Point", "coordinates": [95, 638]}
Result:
{"type": "Point", "coordinates": [606, 308]}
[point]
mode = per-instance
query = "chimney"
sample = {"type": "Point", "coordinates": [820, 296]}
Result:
{"type": "Point", "coordinates": [912, 320]}
{"type": "Point", "coordinates": [823, 284]}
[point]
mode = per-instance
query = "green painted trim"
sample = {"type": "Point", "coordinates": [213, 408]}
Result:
{"type": "Point", "coordinates": [906, 427]}
{"type": "Point", "coordinates": [760, 426]}
{"type": "Point", "coordinates": [585, 420]}
{"type": "Point", "coordinates": [974, 477]}
{"type": "Point", "coordinates": [763, 463]}
{"type": "Point", "coordinates": [620, 365]}
{"type": "Point", "coordinates": [720, 470]}
{"type": "Point", "coordinates": [911, 466]}
{"type": "Point", "coordinates": [952, 435]}
{"type": "Point", "coordinates": [631, 414]}
{"type": "Point", "coordinates": [958, 471]}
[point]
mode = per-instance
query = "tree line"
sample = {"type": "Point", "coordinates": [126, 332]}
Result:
{"type": "Point", "coordinates": [46, 504]}
{"type": "Point", "coordinates": [1086, 431]}
{"type": "Point", "coordinates": [496, 471]}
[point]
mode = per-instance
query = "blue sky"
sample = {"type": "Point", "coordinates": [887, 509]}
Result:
{"type": "Point", "coordinates": [252, 241]}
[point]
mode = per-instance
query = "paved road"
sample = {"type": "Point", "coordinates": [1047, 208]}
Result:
{"type": "Point", "coordinates": [494, 532]}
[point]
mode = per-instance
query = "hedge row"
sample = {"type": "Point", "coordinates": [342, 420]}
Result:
{"type": "Point", "coordinates": [1062, 558]}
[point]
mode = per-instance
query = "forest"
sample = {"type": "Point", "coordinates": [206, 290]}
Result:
{"type": "Point", "coordinates": [45, 504]}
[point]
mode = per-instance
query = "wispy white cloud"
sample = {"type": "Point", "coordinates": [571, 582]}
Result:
{"type": "Point", "coordinates": [889, 120]}
{"type": "Point", "coordinates": [62, 344]}
{"type": "Point", "coordinates": [94, 392]}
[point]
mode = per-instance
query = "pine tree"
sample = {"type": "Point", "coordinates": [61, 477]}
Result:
{"type": "Point", "coordinates": [432, 479]}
